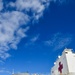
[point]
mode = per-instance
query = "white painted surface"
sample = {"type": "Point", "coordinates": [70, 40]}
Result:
{"type": "Point", "coordinates": [68, 60]}
{"type": "Point", "coordinates": [71, 62]}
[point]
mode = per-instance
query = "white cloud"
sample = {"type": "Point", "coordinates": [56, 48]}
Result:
{"type": "Point", "coordinates": [59, 41]}
{"type": "Point", "coordinates": [35, 6]}
{"type": "Point", "coordinates": [11, 31]}
{"type": "Point", "coordinates": [5, 71]}
{"type": "Point", "coordinates": [11, 22]}
{"type": "Point", "coordinates": [11, 4]}
{"type": "Point", "coordinates": [33, 40]}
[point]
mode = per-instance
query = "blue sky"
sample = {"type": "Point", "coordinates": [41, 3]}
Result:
{"type": "Point", "coordinates": [33, 33]}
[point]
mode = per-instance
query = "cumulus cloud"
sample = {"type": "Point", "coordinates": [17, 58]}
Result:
{"type": "Point", "coordinates": [59, 41]}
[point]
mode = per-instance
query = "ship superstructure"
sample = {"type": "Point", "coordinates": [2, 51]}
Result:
{"type": "Point", "coordinates": [65, 64]}
{"type": "Point", "coordinates": [21, 74]}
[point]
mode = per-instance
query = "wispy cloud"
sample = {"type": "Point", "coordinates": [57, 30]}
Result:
{"type": "Point", "coordinates": [33, 40]}
{"type": "Point", "coordinates": [35, 6]}
{"type": "Point", "coordinates": [14, 22]}
{"type": "Point", "coordinates": [11, 31]}
{"type": "Point", "coordinates": [59, 41]}
{"type": "Point", "coordinates": [5, 71]}
{"type": "Point", "coordinates": [2, 62]}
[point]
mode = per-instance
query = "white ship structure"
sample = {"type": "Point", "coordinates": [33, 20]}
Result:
{"type": "Point", "coordinates": [21, 74]}
{"type": "Point", "coordinates": [65, 64]}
